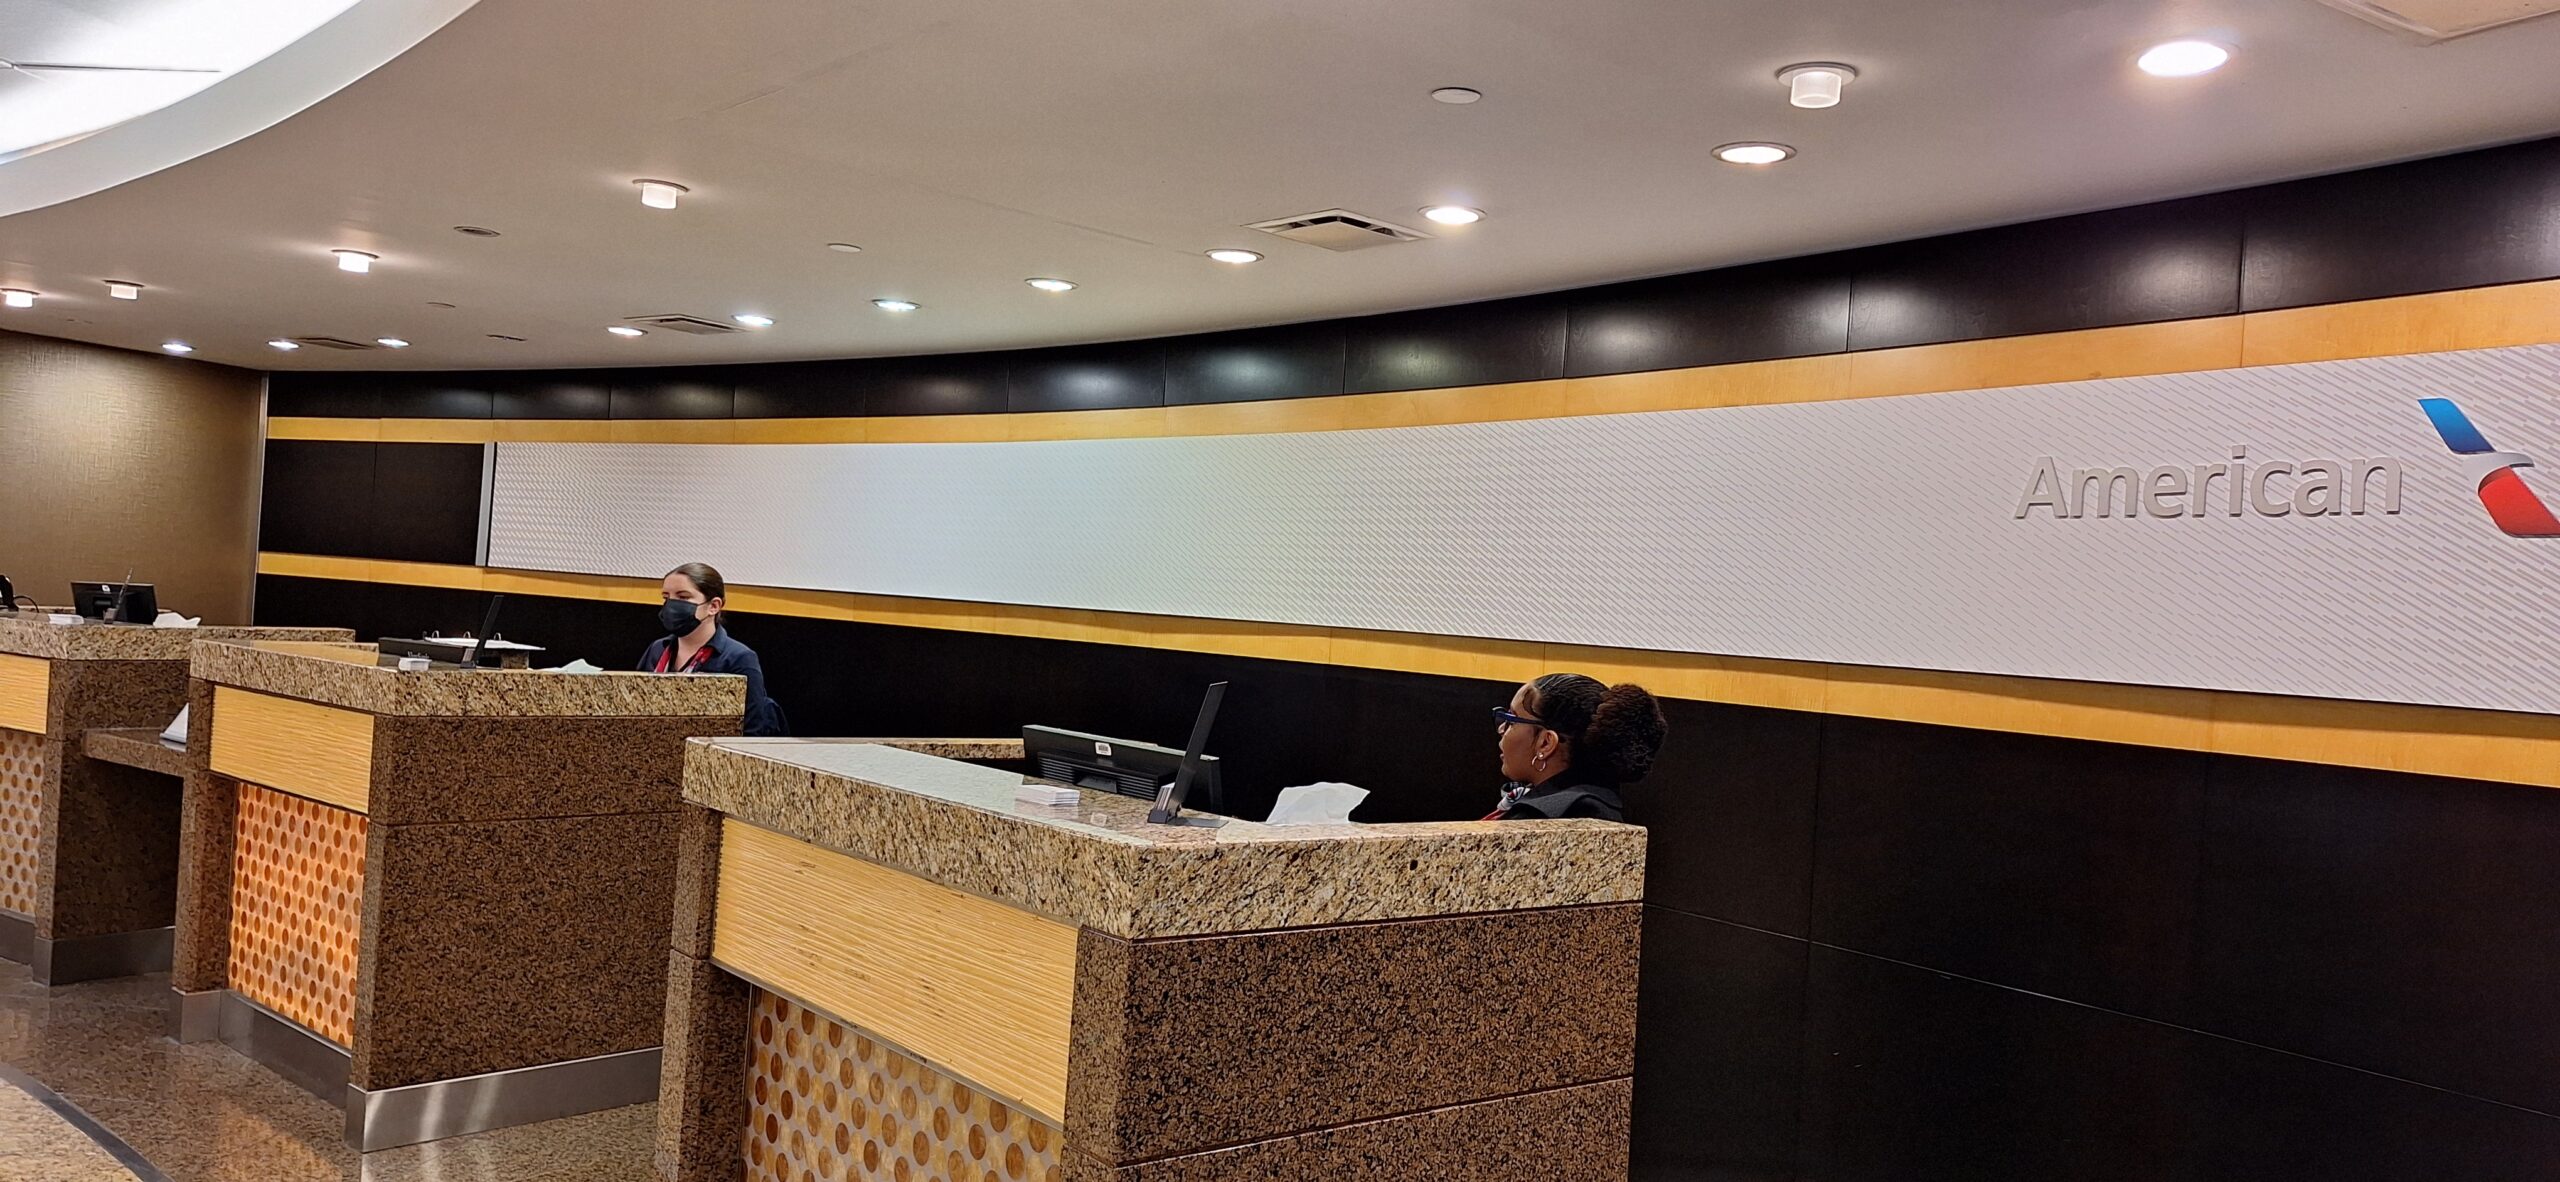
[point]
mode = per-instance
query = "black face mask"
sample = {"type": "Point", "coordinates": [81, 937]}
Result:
{"type": "Point", "coordinates": [678, 617]}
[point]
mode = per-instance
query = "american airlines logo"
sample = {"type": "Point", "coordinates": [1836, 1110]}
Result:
{"type": "Point", "coordinates": [2510, 501]}
{"type": "Point", "coordinates": [2238, 487]}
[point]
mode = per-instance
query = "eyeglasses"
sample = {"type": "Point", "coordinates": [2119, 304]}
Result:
{"type": "Point", "coordinates": [1503, 719]}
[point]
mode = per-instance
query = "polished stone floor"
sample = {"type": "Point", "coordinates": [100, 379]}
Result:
{"type": "Point", "coordinates": [202, 1113]}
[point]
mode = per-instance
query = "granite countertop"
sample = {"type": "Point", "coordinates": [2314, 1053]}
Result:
{"type": "Point", "coordinates": [32, 633]}
{"type": "Point", "coordinates": [347, 676]}
{"type": "Point", "coordinates": [139, 746]}
{"type": "Point", "coordinates": [1097, 863]}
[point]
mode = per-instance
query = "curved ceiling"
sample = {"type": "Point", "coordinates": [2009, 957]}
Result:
{"type": "Point", "coordinates": [968, 145]}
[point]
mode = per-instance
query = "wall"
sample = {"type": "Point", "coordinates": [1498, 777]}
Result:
{"type": "Point", "coordinates": [118, 460]}
{"type": "Point", "coordinates": [1900, 925]}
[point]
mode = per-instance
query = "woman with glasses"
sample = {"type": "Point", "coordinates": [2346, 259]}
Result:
{"type": "Point", "coordinates": [1569, 743]}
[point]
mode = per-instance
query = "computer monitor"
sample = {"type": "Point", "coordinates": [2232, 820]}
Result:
{"type": "Point", "coordinates": [128, 603]}
{"type": "Point", "coordinates": [1142, 770]}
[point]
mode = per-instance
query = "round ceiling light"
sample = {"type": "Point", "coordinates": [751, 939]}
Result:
{"type": "Point", "coordinates": [282, 345]}
{"type": "Point", "coordinates": [660, 194]}
{"type": "Point", "coordinates": [2182, 59]}
{"type": "Point", "coordinates": [896, 305]}
{"type": "Point", "coordinates": [1051, 285]}
{"type": "Point", "coordinates": [124, 290]}
{"type": "Point", "coordinates": [17, 297]}
{"type": "Point", "coordinates": [1454, 215]}
{"type": "Point", "coordinates": [355, 262]}
{"type": "Point", "coordinates": [1232, 255]}
{"type": "Point", "coordinates": [1754, 153]}
{"type": "Point", "coordinates": [176, 347]}
{"type": "Point", "coordinates": [753, 320]}
{"type": "Point", "coordinates": [391, 342]}
{"type": "Point", "coordinates": [844, 248]}
{"type": "Point", "coordinates": [1456, 96]}
{"type": "Point", "coordinates": [625, 330]}
{"type": "Point", "coordinates": [1815, 85]}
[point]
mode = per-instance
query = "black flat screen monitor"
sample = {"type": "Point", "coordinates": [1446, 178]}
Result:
{"type": "Point", "coordinates": [1141, 770]}
{"type": "Point", "coordinates": [129, 603]}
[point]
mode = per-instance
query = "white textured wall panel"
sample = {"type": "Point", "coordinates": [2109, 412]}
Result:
{"type": "Point", "coordinates": [1878, 532]}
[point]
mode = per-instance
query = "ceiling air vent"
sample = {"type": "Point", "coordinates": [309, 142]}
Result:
{"type": "Point", "coordinates": [1339, 229]}
{"type": "Point", "coordinates": [696, 325]}
{"type": "Point", "coordinates": [2444, 20]}
{"type": "Point", "coordinates": [331, 343]}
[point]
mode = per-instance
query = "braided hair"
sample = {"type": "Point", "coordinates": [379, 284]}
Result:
{"type": "Point", "coordinates": [1611, 732]}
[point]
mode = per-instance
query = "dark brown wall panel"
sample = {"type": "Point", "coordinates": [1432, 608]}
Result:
{"type": "Point", "coordinates": [319, 498]}
{"type": "Point", "coordinates": [2430, 225]}
{"type": "Point", "coordinates": [1085, 377]}
{"type": "Point", "coordinates": [426, 502]}
{"type": "Point", "coordinates": [1795, 308]}
{"type": "Point", "coordinates": [551, 394]}
{"type": "Point", "coordinates": [1468, 345]}
{"type": "Point", "coordinates": [117, 461]}
{"type": "Point", "coordinates": [1254, 365]}
{"type": "Point", "coordinates": [675, 392]}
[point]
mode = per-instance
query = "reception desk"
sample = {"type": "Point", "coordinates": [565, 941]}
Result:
{"type": "Point", "coordinates": [88, 793]}
{"type": "Point", "coordinates": [885, 967]}
{"type": "Point", "coordinates": [439, 897]}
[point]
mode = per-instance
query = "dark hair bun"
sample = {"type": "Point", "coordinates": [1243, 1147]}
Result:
{"type": "Point", "coordinates": [1625, 732]}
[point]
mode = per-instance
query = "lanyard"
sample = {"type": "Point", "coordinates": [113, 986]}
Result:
{"type": "Point", "coordinates": [667, 657]}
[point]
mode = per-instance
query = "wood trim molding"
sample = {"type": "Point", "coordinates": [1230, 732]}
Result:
{"type": "Point", "coordinates": [317, 752]}
{"type": "Point", "coordinates": [977, 988]}
{"type": "Point", "coordinates": [2431, 740]}
{"type": "Point", "coordinates": [2475, 318]}
{"type": "Point", "coordinates": [26, 683]}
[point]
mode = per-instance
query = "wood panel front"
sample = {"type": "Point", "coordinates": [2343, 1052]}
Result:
{"type": "Point", "coordinates": [320, 752]}
{"type": "Point", "coordinates": [981, 990]}
{"type": "Point", "coordinates": [24, 684]}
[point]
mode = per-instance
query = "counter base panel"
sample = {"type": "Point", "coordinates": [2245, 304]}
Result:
{"type": "Point", "coordinates": [17, 938]}
{"type": "Point", "coordinates": [22, 779]}
{"type": "Point", "coordinates": [98, 958]}
{"type": "Point", "coordinates": [297, 893]}
{"type": "Point", "coordinates": [280, 1044]}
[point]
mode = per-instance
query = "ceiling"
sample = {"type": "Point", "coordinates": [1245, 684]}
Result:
{"type": "Point", "coordinates": [967, 145]}
{"type": "Point", "coordinates": [157, 52]}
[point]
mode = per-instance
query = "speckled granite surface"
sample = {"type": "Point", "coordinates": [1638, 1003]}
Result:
{"type": "Point", "coordinates": [503, 944]}
{"type": "Point", "coordinates": [1097, 864]}
{"type": "Point", "coordinates": [702, 1081]}
{"type": "Point", "coordinates": [433, 770]}
{"type": "Point", "coordinates": [31, 634]}
{"type": "Point", "coordinates": [458, 693]}
{"type": "Point", "coordinates": [1574, 1134]}
{"type": "Point", "coordinates": [136, 747]}
{"type": "Point", "coordinates": [1321, 1027]}
{"type": "Point", "coordinates": [208, 822]}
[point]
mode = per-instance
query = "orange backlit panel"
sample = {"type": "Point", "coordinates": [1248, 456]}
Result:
{"type": "Point", "coordinates": [826, 1103]}
{"type": "Point", "coordinates": [21, 818]}
{"type": "Point", "coordinates": [297, 899]}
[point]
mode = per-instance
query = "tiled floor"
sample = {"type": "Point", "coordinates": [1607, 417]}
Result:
{"type": "Point", "coordinates": [38, 1145]}
{"type": "Point", "coordinates": [202, 1113]}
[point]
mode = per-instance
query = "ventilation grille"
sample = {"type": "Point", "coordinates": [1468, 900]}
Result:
{"type": "Point", "coordinates": [2443, 20]}
{"type": "Point", "coordinates": [332, 343]}
{"type": "Point", "coordinates": [1339, 229]}
{"type": "Point", "coordinates": [696, 325]}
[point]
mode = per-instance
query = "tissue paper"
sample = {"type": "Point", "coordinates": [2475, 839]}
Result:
{"type": "Point", "coordinates": [1316, 804]}
{"type": "Point", "coordinates": [170, 619]}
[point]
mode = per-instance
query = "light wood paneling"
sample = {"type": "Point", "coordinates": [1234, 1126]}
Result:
{"type": "Point", "coordinates": [24, 684]}
{"type": "Point", "coordinates": [2178, 346]}
{"type": "Point", "coordinates": [320, 752]}
{"type": "Point", "coordinates": [2477, 318]}
{"type": "Point", "coordinates": [978, 988]}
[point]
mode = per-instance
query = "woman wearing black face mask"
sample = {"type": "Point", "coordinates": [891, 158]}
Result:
{"type": "Point", "coordinates": [694, 598]}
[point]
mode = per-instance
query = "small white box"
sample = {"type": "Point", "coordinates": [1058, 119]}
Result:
{"type": "Point", "coordinates": [1036, 792]}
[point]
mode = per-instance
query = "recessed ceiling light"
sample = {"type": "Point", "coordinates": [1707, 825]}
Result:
{"type": "Point", "coordinates": [1238, 257]}
{"type": "Point", "coordinates": [1051, 284]}
{"type": "Point", "coordinates": [1454, 215]}
{"type": "Point", "coordinates": [896, 305]}
{"type": "Point", "coordinates": [660, 194]}
{"type": "Point", "coordinates": [17, 297]}
{"type": "Point", "coordinates": [2182, 59]}
{"type": "Point", "coordinates": [282, 345]}
{"type": "Point", "coordinates": [1457, 96]}
{"type": "Point", "coordinates": [1754, 153]}
{"type": "Point", "coordinates": [752, 320]}
{"type": "Point", "coordinates": [177, 347]}
{"type": "Point", "coordinates": [391, 342]}
{"type": "Point", "coordinates": [844, 248]}
{"type": "Point", "coordinates": [123, 290]}
{"type": "Point", "coordinates": [355, 261]}
{"type": "Point", "coordinates": [1815, 85]}
{"type": "Point", "coordinates": [625, 330]}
